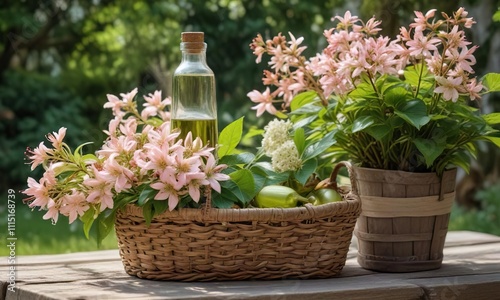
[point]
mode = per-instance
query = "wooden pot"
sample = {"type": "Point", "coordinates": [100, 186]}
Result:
{"type": "Point", "coordinates": [404, 219]}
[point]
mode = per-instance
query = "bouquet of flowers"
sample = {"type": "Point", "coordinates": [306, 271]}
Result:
{"type": "Point", "coordinates": [140, 162]}
{"type": "Point", "coordinates": [394, 104]}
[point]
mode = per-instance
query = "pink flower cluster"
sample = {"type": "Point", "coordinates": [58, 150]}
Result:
{"type": "Point", "coordinates": [140, 152]}
{"type": "Point", "coordinates": [355, 51]}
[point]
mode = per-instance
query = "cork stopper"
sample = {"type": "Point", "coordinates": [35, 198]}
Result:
{"type": "Point", "coordinates": [195, 37]}
{"type": "Point", "coordinates": [193, 41]}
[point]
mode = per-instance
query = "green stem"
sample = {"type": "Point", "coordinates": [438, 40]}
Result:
{"type": "Point", "coordinates": [419, 78]}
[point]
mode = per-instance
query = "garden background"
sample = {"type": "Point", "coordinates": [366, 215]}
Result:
{"type": "Point", "coordinates": [59, 59]}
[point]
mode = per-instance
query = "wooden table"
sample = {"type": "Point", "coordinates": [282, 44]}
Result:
{"type": "Point", "coordinates": [471, 270]}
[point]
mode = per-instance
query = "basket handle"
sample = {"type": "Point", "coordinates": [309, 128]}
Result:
{"type": "Point", "coordinates": [350, 170]}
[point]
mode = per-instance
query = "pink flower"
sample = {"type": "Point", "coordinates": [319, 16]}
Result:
{"type": "Point", "coordinates": [129, 127]}
{"type": "Point", "coordinates": [167, 190]}
{"type": "Point", "coordinates": [185, 166]}
{"type": "Point", "coordinates": [100, 189]}
{"type": "Point", "coordinates": [113, 126]}
{"type": "Point", "coordinates": [122, 176]}
{"type": "Point", "coordinates": [265, 101]}
{"type": "Point", "coordinates": [118, 145]}
{"type": "Point", "coordinates": [404, 34]}
{"type": "Point", "coordinates": [258, 47]}
{"type": "Point", "coordinates": [196, 180]}
{"type": "Point", "coordinates": [270, 78]}
{"type": "Point", "coordinates": [157, 158]}
{"type": "Point", "coordinates": [448, 87]}
{"type": "Point", "coordinates": [213, 176]}
{"type": "Point", "coordinates": [464, 59]}
{"type": "Point", "coordinates": [52, 212]}
{"type": "Point", "coordinates": [56, 138]}
{"type": "Point", "coordinates": [347, 20]}
{"type": "Point", "coordinates": [73, 205]}
{"type": "Point", "coordinates": [128, 98]}
{"type": "Point", "coordinates": [421, 20]}
{"type": "Point", "coordinates": [162, 136]}
{"type": "Point", "coordinates": [461, 15]}
{"type": "Point", "coordinates": [115, 104]}
{"type": "Point", "coordinates": [474, 88]}
{"type": "Point", "coordinates": [279, 60]}
{"type": "Point", "coordinates": [421, 45]}
{"type": "Point", "coordinates": [195, 147]}
{"type": "Point", "coordinates": [294, 45]}
{"type": "Point", "coordinates": [455, 38]}
{"type": "Point", "coordinates": [372, 26]}
{"type": "Point", "coordinates": [39, 155]}
{"type": "Point", "coordinates": [435, 64]}
{"type": "Point", "coordinates": [38, 192]}
{"type": "Point", "coordinates": [154, 105]}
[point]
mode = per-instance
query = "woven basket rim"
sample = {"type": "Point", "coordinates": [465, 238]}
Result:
{"type": "Point", "coordinates": [349, 204]}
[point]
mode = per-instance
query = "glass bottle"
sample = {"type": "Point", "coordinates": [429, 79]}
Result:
{"type": "Point", "coordinates": [194, 107]}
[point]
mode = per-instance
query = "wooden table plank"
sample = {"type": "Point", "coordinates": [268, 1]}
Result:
{"type": "Point", "coordinates": [471, 270]}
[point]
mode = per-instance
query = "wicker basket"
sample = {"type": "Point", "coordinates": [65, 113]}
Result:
{"type": "Point", "coordinates": [237, 244]}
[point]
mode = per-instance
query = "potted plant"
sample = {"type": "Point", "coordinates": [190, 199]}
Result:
{"type": "Point", "coordinates": [181, 214]}
{"type": "Point", "coordinates": [399, 110]}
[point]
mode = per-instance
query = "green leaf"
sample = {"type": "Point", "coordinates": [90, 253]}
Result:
{"type": "Point", "coordinates": [414, 112]}
{"type": "Point", "coordinates": [378, 132]}
{"type": "Point", "coordinates": [318, 148]}
{"type": "Point", "coordinates": [302, 99]}
{"type": "Point", "coordinates": [462, 160]}
{"type": "Point", "coordinates": [89, 158]}
{"type": "Point", "coordinates": [265, 175]}
{"type": "Point", "coordinates": [299, 139]}
{"type": "Point", "coordinates": [412, 76]}
{"type": "Point", "coordinates": [160, 206]}
{"type": "Point", "coordinates": [106, 221]}
{"type": "Point", "coordinates": [306, 170]}
{"type": "Point", "coordinates": [280, 115]}
{"type": "Point", "coordinates": [155, 122]}
{"type": "Point", "coordinates": [253, 131]}
{"type": "Point", "coordinates": [363, 90]}
{"type": "Point", "coordinates": [220, 201]}
{"type": "Point", "coordinates": [78, 151]}
{"type": "Point", "coordinates": [122, 199]}
{"type": "Point", "coordinates": [147, 211]}
{"type": "Point", "coordinates": [308, 109]}
{"type": "Point", "coordinates": [493, 118]}
{"type": "Point", "coordinates": [394, 96]}
{"type": "Point", "coordinates": [237, 159]}
{"type": "Point", "coordinates": [362, 123]}
{"type": "Point", "coordinates": [147, 194]}
{"type": "Point", "coordinates": [88, 219]}
{"type": "Point", "coordinates": [494, 140]}
{"type": "Point", "coordinates": [492, 82]}
{"type": "Point", "coordinates": [430, 149]}
{"type": "Point", "coordinates": [305, 121]}
{"type": "Point", "coordinates": [230, 137]}
{"type": "Point", "coordinates": [242, 185]}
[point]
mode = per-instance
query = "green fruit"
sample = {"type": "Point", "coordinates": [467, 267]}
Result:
{"type": "Point", "coordinates": [278, 196]}
{"type": "Point", "coordinates": [323, 196]}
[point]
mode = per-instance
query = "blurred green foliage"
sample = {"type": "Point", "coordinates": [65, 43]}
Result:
{"type": "Point", "coordinates": [36, 104]}
{"type": "Point", "coordinates": [485, 218]}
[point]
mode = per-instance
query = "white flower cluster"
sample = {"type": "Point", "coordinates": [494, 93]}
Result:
{"type": "Point", "coordinates": [278, 144]}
